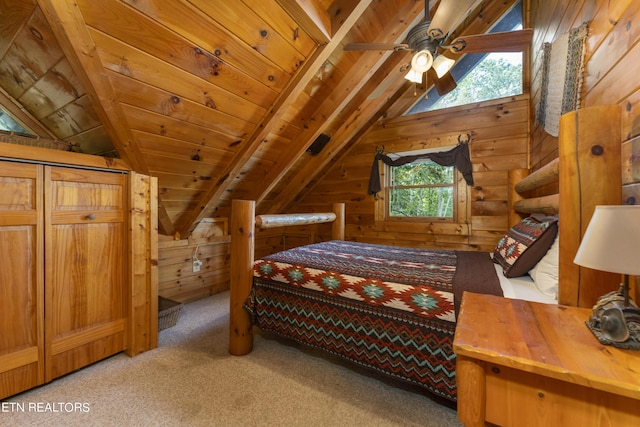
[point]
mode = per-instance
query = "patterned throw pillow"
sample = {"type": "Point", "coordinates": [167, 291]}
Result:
{"type": "Point", "coordinates": [525, 244]}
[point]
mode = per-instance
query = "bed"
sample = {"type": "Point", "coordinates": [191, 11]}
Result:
{"type": "Point", "coordinates": [377, 307]}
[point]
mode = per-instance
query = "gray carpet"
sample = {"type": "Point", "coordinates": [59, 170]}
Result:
{"type": "Point", "coordinates": [191, 380]}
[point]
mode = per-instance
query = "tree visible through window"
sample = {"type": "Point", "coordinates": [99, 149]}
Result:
{"type": "Point", "coordinates": [421, 190]}
{"type": "Point", "coordinates": [495, 76]}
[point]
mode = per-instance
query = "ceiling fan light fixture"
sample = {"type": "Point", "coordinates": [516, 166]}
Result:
{"type": "Point", "coordinates": [442, 65]}
{"type": "Point", "coordinates": [414, 76]}
{"type": "Point", "coordinates": [422, 61]}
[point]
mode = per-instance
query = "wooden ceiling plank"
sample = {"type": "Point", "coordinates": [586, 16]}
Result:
{"type": "Point", "coordinates": [195, 138]}
{"type": "Point", "coordinates": [169, 104]}
{"type": "Point", "coordinates": [124, 59]}
{"type": "Point", "coordinates": [283, 24]}
{"type": "Point", "coordinates": [55, 89]}
{"type": "Point", "coordinates": [258, 80]}
{"type": "Point", "coordinates": [311, 16]}
{"type": "Point", "coordinates": [180, 149]}
{"type": "Point", "coordinates": [13, 16]}
{"type": "Point", "coordinates": [254, 29]}
{"type": "Point", "coordinates": [189, 220]}
{"type": "Point", "coordinates": [33, 52]}
{"type": "Point", "coordinates": [68, 25]}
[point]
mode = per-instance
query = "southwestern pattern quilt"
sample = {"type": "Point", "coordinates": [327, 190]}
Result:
{"type": "Point", "coordinates": [387, 308]}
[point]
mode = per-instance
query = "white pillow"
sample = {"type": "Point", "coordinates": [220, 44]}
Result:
{"type": "Point", "coordinates": [545, 272]}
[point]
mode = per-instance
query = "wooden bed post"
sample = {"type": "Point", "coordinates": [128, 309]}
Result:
{"type": "Point", "coordinates": [242, 249]}
{"type": "Point", "coordinates": [590, 175]}
{"type": "Point", "coordinates": [337, 228]}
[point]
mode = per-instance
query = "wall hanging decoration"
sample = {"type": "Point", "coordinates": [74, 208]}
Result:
{"type": "Point", "coordinates": [562, 74]}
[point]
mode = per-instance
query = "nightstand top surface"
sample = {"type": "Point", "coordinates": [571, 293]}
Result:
{"type": "Point", "coordinates": [546, 339]}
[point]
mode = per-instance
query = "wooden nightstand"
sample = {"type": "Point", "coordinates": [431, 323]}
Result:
{"type": "Point", "coordinates": [522, 363]}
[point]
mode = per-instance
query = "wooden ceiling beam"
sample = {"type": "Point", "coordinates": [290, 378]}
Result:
{"type": "Point", "coordinates": [313, 19]}
{"type": "Point", "coordinates": [71, 31]}
{"type": "Point", "coordinates": [189, 220]}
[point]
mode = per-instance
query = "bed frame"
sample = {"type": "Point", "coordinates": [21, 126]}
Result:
{"type": "Point", "coordinates": [243, 225]}
{"type": "Point", "coordinates": [587, 173]}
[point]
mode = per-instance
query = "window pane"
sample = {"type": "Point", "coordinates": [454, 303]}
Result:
{"type": "Point", "coordinates": [8, 124]}
{"type": "Point", "coordinates": [422, 202]}
{"type": "Point", "coordinates": [496, 76]}
{"type": "Point", "coordinates": [421, 174]}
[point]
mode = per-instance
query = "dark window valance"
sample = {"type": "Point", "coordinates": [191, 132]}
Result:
{"type": "Point", "coordinates": [458, 157]}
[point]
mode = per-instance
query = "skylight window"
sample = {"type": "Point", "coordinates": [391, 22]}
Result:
{"type": "Point", "coordinates": [8, 124]}
{"type": "Point", "coordinates": [481, 76]}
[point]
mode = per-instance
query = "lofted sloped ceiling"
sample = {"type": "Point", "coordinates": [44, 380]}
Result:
{"type": "Point", "coordinates": [218, 99]}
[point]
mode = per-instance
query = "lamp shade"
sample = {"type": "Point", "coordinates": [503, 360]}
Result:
{"type": "Point", "coordinates": [612, 240]}
{"type": "Point", "coordinates": [442, 65]}
{"type": "Point", "coordinates": [422, 61]}
{"type": "Point", "coordinates": [414, 76]}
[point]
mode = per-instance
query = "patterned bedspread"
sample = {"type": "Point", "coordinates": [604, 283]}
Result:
{"type": "Point", "coordinates": [387, 308]}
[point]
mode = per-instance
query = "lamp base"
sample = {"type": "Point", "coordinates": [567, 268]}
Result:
{"type": "Point", "coordinates": [616, 321]}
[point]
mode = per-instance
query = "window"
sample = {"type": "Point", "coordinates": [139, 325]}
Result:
{"type": "Point", "coordinates": [8, 124]}
{"type": "Point", "coordinates": [421, 190]}
{"type": "Point", "coordinates": [481, 76]}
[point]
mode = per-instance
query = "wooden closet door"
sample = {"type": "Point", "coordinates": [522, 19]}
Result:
{"type": "Point", "coordinates": [85, 268]}
{"type": "Point", "coordinates": [21, 278]}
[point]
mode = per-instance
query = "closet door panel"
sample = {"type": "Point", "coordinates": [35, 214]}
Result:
{"type": "Point", "coordinates": [21, 278]}
{"type": "Point", "coordinates": [85, 267]}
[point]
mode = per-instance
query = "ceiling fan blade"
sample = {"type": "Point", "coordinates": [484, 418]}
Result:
{"type": "Point", "coordinates": [450, 13]}
{"type": "Point", "coordinates": [444, 84]}
{"type": "Point", "coordinates": [376, 46]}
{"type": "Point", "coordinates": [508, 41]}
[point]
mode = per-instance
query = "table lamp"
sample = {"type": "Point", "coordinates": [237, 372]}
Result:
{"type": "Point", "coordinates": [612, 243]}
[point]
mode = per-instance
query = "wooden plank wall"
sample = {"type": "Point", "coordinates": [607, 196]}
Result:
{"type": "Point", "coordinates": [612, 60]}
{"type": "Point", "coordinates": [210, 244]}
{"type": "Point", "coordinates": [499, 142]}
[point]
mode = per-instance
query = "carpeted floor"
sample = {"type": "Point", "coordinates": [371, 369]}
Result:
{"type": "Point", "coordinates": [191, 380]}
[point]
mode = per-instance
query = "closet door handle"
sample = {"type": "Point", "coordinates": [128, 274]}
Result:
{"type": "Point", "coordinates": [91, 216]}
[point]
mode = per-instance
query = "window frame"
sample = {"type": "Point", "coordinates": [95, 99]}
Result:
{"type": "Point", "coordinates": [387, 197]}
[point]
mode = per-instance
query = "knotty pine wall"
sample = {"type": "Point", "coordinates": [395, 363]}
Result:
{"type": "Point", "coordinates": [499, 132]}
{"type": "Point", "coordinates": [611, 72]}
{"type": "Point", "coordinates": [210, 242]}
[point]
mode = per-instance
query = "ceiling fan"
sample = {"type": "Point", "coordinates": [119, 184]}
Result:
{"type": "Point", "coordinates": [428, 38]}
